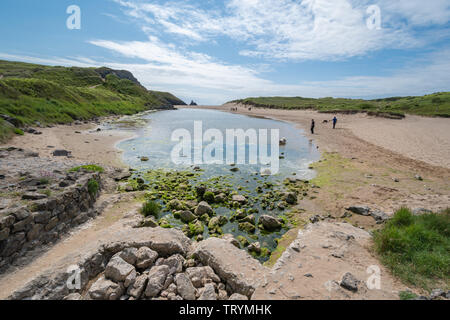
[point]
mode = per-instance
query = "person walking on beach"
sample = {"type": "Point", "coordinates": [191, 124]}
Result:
{"type": "Point", "coordinates": [313, 125]}
{"type": "Point", "coordinates": [334, 122]}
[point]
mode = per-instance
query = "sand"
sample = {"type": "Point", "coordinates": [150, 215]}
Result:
{"type": "Point", "coordinates": [87, 145]}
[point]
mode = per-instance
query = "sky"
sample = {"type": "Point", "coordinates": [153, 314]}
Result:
{"type": "Point", "coordinates": [215, 51]}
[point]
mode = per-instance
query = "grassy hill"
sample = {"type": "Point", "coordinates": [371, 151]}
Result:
{"type": "Point", "coordinates": [437, 104]}
{"type": "Point", "coordinates": [30, 93]}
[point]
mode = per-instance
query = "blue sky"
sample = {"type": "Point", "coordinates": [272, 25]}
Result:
{"type": "Point", "coordinates": [215, 51]}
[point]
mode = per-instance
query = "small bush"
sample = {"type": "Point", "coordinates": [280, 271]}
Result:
{"type": "Point", "coordinates": [93, 187]}
{"type": "Point", "coordinates": [150, 208]}
{"type": "Point", "coordinates": [18, 131]}
{"type": "Point", "coordinates": [407, 295]}
{"type": "Point", "coordinates": [90, 168]}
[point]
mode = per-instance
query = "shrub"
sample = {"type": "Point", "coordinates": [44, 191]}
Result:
{"type": "Point", "coordinates": [416, 248]}
{"type": "Point", "coordinates": [407, 295]}
{"type": "Point", "coordinates": [93, 187]}
{"type": "Point", "coordinates": [150, 208]}
{"type": "Point", "coordinates": [90, 168]}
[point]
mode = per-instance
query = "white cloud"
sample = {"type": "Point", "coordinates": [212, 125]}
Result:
{"type": "Point", "coordinates": [295, 30]}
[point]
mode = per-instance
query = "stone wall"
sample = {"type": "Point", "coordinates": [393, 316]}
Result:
{"type": "Point", "coordinates": [25, 228]}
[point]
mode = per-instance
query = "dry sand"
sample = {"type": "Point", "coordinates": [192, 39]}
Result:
{"type": "Point", "coordinates": [87, 145]}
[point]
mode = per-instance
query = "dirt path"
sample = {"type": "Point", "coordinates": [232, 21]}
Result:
{"type": "Point", "coordinates": [93, 232]}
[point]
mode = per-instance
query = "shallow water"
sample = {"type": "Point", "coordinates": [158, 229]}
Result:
{"type": "Point", "coordinates": [152, 139]}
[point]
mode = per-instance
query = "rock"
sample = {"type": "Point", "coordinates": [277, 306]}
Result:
{"type": "Point", "coordinates": [33, 196]}
{"type": "Point", "coordinates": [419, 178]}
{"type": "Point", "coordinates": [209, 293]}
{"type": "Point", "coordinates": [361, 210]}
{"type": "Point", "coordinates": [235, 169]}
{"type": "Point", "coordinates": [175, 204]}
{"type": "Point", "coordinates": [104, 289]}
{"type": "Point", "coordinates": [200, 190]}
{"type": "Point", "coordinates": [175, 263]}
{"type": "Point", "coordinates": [203, 208]}
{"type": "Point", "coordinates": [4, 233]}
{"type": "Point", "coordinates": [229, 237]}
{"type": "Point", "coordinates": [283, 142]}
{"type": "Point", "coordinates": [7, 221]}
{"type": "Point", "coordinates": [202, 273]}
{"type": "Point", "coordinates": [223, 295]}
{"type": "Point", "coordinates": [437, 293]}
{"type": "Point", "coordinates": [420, 211]}
{"type": "Point", "coordinates": [250, 219]}
{"type": "Point", "coordinates": [145, 257]}
{"type": "Point", "coordinates": [73, 297]}
{"type": "Point", "coordinates": [61, 153]}
{"type": "Point", "coordinates": [148, 222]}
{"type": "Point", "coordinates": [315, 219]}
{"type": "Point", "coordinates": [156, 279]}
{"type": "Point", "coordinates": [130, 279]}
{"type": "Point", "coordinates": [144, 159]}
{"type": "Point", "coordinates": [243, 241]}
{"type": "Point", "coordinates": [380, 216]}
{"type": "Point", "coordinates": [290, 197]}
{"type": "Point", "coordinates": [185, 287]}
{"type": "Point", "coordinates": [135, 289]}
{"type": "Point", "coordinates": [187, 216]}
{"type": "Point", "coordinates": [269, 222]}
{"type": "Point", "coordinates": [238, 297]}
{"type": "Point", "coordinates": [246, 226]}
{"type": "Point", "coordinates": [349, 282]}
{"type": "Point", "coordinates": [255, 247]}
{"type": "Point", "coordinates": [117, 269]}
{"type": "Point", "coordinates": [239, 199]}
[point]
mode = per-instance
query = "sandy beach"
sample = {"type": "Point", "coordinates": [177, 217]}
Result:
{"type": "Point", "coordinates": [85, 143]}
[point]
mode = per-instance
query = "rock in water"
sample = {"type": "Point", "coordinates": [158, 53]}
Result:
{"type": "Point", "coordinates": [269, 223]}
{"type": "Point", "coordinates": [202, 208]}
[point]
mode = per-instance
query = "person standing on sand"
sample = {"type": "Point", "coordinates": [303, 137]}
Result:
{"type": "Point", "coordinates": [334, 122]}
{"type": "Point", "coordinates": [313, 125]}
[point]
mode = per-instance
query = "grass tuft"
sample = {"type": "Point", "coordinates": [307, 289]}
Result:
{"type": "Point", "coordinates": [417, 248]}
{"type": "Point", "coordinates": [90, 168]}
{"type": "Point", "coordinates": [150, 208]}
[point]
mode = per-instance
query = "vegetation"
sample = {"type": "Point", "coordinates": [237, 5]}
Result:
{"type": "Point", "coordinates": [30, 93]}
{"type": "Point", "coordinates": [93, 187]}
{"type": "Point", "coordinates": [150, 208]}
{"type": "Point", "coordinates": [417, 248]}
{"type": "Point", "coordinates": [90, 168]}
{"type": "Point", "coordinates": [407, 295]}
{"type": "Point", "coordinates": [437, 104]}
{"type": "Point", "coordinates": [18, 131]}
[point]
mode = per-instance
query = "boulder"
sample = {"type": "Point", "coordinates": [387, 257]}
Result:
{"type": "Point", "coordinates": [380, 216]}
{"type": "Point", "coordinates": [156, 279]}
{"type": "Point", "coordinates": [209, 293]}
{"type": "Point", "coordinates": [118, 269]}
{"type": "Point", "coordinates": [187, 216]}
{"type": "Point", "coordinates": [175, 263]}
{"type": "Point", "coordinates": [145, 257]}
{"type": "Point", "coordinates": [238, 297]}
{"type": "Point", "coordinates": [239, 199]}
{"type": "Point", "coordinates": [248, 227]}
{"type": "Point", "coordinates": [269, 223]}
{"type": "Point", "coordinates": [61, 153]}
{"type": "Point", "coordinates": [255, 247]}
{"type": "Point", "coordinates": [361, 210]}
{"type": "Point", "coordinates": [185, 287]}
{"type": "Point", "coordinates": [137, 287]}
{"type": "Point", "coordinates": [290, 197]}
{"type": "Point", "coordinates": [203, 208]}
{"type": "Point", "coordinates": [104, 289]}
{"type": "Point", "coordinates": [349, 282]}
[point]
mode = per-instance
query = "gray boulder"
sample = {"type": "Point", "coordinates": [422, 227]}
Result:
{"type": "Point", "coordinates": [185, 287]}
{"type": "Point", "coordinates": [202, 208]}
{"type": "Point", "coordinates": [361, 210]}
{"type": "Point", "coordinates": [209, 293]}
{"type": "Point", "coordinates": [118, 269]}
{"type": "Point", "coordinates": [238, 297]}
{"type": "Point", "coordinates": [156, 279]}
{"type": "Point", "coordinates": [187, 216]}
{"type": "Point", "coordinates": [137, 287]}
{"type": "Point", "coordinates": [145, 257]}
{"type": "Point", "coordinates": [104, 289]}
{"type": "Point", "coordinates": [269, 223]}
{"type": "Point", "coordinates": [349, 282]}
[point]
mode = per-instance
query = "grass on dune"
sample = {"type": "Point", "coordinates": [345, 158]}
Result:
{"type": "Point", "coordinates": [417, 248]}
{"type": "Point", "coordinates": [437, 104]}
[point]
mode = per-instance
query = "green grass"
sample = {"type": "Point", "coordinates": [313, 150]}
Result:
{"type": "Point", "coordinates": [150, 208]}
{"type": "Point", "coordinates": [407, 295]}
{"type": "Point", "coordinates": [417, 248]}
{"type": "Point", "coordinates": [18, 131]}
{"type": "Point", "coordinates": [90, 168]}
{"type": "Point", "coordinates": [436, 104]}
{"type": "Point", "coordinates": [93, 187]}
{"type": "Point", "coordinates": [59, 95]}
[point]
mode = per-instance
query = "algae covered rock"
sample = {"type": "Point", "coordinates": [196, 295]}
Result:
{"type": "Point", "coordinates": [202, 208]}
